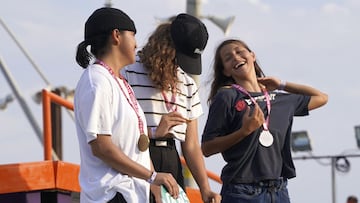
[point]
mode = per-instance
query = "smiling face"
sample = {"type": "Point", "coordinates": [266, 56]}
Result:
{"type": "Point", "coordinates": [234, 62]}
{"type": "Point", "coordinates": [238, 61]}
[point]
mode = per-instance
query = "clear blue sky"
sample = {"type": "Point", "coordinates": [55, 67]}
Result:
{"type": "Point", "coordinates": [311, 42]}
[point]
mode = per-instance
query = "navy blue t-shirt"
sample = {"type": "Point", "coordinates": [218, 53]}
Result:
{"type": "Point", "coordinates": [248, 161]}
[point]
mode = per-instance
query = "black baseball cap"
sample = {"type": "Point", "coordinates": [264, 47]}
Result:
{"type": "Point", "coordinates": [106, 19]}
{"type": "Point", "coordinates": [190, 37]}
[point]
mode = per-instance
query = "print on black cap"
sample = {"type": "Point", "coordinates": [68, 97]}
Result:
{"type": "Point", "coordinates": [190, 37]}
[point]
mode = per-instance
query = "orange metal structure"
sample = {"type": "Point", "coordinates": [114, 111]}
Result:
{"type": "Point", "coordinates": [55, 175]}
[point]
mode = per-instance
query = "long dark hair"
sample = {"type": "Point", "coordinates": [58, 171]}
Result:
{"type": "Point", "coordinates": [98, 47]}
{"type": "Point", "coordinates": [220, 79]}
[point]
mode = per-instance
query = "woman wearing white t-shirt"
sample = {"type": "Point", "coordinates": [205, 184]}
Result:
{"type": "Point", "coordinates": [111, 126]}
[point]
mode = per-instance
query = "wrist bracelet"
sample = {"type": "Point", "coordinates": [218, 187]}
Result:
{"type": "Point", "coordinates": [152, 177]}
{"type": "Point", "coordinates": [153, 131]}
{"type": "Point", "coordinates": [282, 85]}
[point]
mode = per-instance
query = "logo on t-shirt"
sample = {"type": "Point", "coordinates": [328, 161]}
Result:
{"type": "Point", "coordinates": [240, 105]}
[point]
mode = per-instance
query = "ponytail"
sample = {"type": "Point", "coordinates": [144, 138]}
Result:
{"type": "Point", "coordinates": [83, 57]}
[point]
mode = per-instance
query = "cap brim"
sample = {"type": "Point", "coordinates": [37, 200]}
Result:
{"type": "Point", "coordinates": [189, 64]}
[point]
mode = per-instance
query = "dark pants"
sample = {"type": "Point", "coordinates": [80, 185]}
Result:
{"type": "Point", "coordinates": [117, 199]}
{"type": "Point", "coordinates": [166, 159]}
{"type": "Point", "coordinates": [272, 191]}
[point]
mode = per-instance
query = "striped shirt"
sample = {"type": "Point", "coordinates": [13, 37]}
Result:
{"type": "Point", "coordinates": [153, 103]}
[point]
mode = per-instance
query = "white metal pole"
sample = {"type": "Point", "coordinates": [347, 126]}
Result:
{"type": "Point", "coordinates": [25, 53]}
{"type": "Point", "coordinates": [23, 104]}
{"type": "Point", "coordinates": [193, 7]}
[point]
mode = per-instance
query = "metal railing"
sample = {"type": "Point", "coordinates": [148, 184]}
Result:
{"type": "Point", "coordinates": [47, 99]}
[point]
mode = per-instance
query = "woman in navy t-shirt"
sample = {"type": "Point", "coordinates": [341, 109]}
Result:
{"type": "Point", "coordinates": [249, 123]}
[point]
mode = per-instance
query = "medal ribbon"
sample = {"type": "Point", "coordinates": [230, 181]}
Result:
{"type": "Point", "coordinates": [132, 101]}
{"type": "Point", "coordinates": [268, 104]}
{"type": "Point", "coordinates": [170, 105]}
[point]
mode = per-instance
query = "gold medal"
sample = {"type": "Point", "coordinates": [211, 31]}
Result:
{"type": "Point", "coordinates": [143, 143]}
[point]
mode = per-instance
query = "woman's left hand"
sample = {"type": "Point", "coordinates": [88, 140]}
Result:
{"type": "Point", "coordinates": [271, 83]}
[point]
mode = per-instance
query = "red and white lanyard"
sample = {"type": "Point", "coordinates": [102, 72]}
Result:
{"type": "Point", "coordinates": [268, 104]}
{"type": "Point", "coordinates": [170, 105]}
{"type": "Point", "coordinates": [132, 101]}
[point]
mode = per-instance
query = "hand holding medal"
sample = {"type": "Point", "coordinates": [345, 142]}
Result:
{"type": "Point", "coordinates": [266, 139]}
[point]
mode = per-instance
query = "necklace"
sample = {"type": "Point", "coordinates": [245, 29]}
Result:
{"type": "Point", "coordinates": [143, 142]}
{"type": "Point", "coordinates": [266, 139]}
{"type": "Point", "coordinates": [170, 105]}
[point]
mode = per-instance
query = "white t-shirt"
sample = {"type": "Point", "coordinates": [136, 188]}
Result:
{"type": "Point", "coordinates": [152, 101]}
{"type": "Point", "coordinates": [101, 108]}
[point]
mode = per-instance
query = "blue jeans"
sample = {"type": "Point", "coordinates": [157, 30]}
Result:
{"type": "Point", "coordinates": [273, 191]}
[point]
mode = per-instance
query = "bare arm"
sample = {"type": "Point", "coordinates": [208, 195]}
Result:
{"type": "Point", "coordinates": [317, 100]}
{"type": "Point", "coordinates": [219, 144]}
{"type": "Point", "coordinates": [195, 161]}
{"type": "Point", "coordinates": [104, 149]}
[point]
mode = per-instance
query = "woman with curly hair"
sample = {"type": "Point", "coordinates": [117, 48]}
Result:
{"type": "Point", "coordinates": [170, 98]}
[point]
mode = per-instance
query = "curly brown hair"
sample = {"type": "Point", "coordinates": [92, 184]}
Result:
{"type": "Point", "coordinates": [159, 56]}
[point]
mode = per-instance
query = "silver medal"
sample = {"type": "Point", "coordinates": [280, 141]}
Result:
{"type": "Point", "coordinates": [266, 139]}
